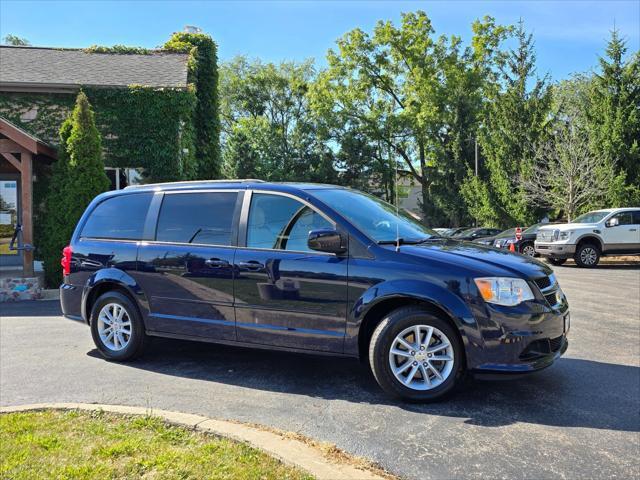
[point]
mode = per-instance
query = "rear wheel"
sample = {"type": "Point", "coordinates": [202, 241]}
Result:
{"type": "Point", "coordinates": [416, 356]}
{"type": "Point", "coordinates": [587, 255]}
{"type": "Point", "coordinates": [116, 327]}
{"type": "Point", "coordinates": [556, 261]}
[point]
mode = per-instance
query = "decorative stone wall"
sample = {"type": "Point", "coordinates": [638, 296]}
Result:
{"type": "Point", "coordinates": [19, 288]}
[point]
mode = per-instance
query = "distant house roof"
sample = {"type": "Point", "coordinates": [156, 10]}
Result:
{"type": "Point", "coordinates": [51, 69]}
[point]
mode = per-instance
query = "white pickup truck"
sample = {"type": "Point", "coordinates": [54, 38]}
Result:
{"type": "Point", "coordinates": [615, 231]}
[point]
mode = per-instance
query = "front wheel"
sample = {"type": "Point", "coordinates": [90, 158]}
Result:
{"type": "Point", "coordinates": [528, 249]}
{"type": "Point", "coordinates": [587, 255]}
{"type": "Point", "coordinates": [416, 355]}
{"type": "Point", "coordinates": [116, 327]}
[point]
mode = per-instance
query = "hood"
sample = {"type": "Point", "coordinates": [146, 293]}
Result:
{"type": "Point", "coordinates": [563, 227]}
{"type": "Point", "coordinates": [481, 259]}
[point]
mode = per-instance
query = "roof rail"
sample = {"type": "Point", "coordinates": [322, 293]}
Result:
{"type": "Point", "coordinates": [197, 182]}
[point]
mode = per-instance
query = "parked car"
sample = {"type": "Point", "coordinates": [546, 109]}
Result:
{"type": "Point", "coordinates": [308, 268]}
{"type": "Point", "coordinates": [453, 231]}
{"type": "Point", "coordinates": [487, 240]}
{"type": "Point", "coordinates": [614, 231]}
{"type": "Point", "coordinates": [525, 244]}
{"type": "Point", "coordinates": [477, 232]}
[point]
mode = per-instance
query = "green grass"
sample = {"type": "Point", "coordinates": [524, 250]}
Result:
{"type": "Point", "coordinates": [98, 445]}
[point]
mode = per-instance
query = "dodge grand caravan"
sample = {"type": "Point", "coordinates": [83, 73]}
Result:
{"type": "Point", "coordinates": [308, 268]}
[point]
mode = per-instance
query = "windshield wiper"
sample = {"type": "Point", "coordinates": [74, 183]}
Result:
{"type": "Point", "coordinates": [405, 241]}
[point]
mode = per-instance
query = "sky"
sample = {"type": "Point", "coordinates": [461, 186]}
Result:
{"type": "Point", "coordinates": [569, 35]}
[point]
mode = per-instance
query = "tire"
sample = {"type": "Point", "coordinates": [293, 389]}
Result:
{"type": "Point", "coordinates": [528, 249]}
{"type": "Point", "coordinates": [402, 322]}
{"type": "Point", "coordinates": [134, 337]}
{"type": "Point", "coordinates": [587, 255]}
{"type": "Point", "coordinates": [556, 261]}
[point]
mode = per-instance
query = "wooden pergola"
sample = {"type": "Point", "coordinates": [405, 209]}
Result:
{"type": "Point", "coordinates": [20, 148]}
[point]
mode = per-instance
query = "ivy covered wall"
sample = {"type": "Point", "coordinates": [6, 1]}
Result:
{"type": "Point", "coordinates": [172, 133]}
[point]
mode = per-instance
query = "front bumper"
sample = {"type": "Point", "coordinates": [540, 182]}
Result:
{"type": "Point", "coordinates": [555, 250]}
{"type": "Point", "coordinates": [521, 339]}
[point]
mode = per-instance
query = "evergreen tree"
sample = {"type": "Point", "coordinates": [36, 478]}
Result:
{"type": "Point", "coordinates": [516, 120]}
{"type": "Point", "coordinates": [614, 123]}
{"type": "Point", "coordinates": [77, 177]}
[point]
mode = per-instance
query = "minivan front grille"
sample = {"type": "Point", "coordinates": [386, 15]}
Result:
{"type": "Point", "coordinates": [543, 282]}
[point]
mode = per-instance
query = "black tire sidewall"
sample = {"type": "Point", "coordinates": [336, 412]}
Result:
{"type": "Point", "coordinates": [577, 256]}
{"type": "Point", "coordinates": [380, 345]}
{"type": "Point", "coordinates": [136, 343]}
{"type": "Point", "coordinates": [525, 245]}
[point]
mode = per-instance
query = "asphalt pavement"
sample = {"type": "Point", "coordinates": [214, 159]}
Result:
{"type": "Point", "coordinates": [578, 419]}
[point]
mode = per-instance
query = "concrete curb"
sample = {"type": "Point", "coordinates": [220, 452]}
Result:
{"type": "Point", "coordinates": [289, 451]}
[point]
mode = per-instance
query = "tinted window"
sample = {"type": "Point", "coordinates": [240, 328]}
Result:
{"type": "Point", "coordinates": [205, 218]}
{"type": "Point", "coordinates": [636, 217]}
{"type": "Point", "coordinates": [591, 217]}
{"type": "Point", "coordinates": [281, 223]}
{"type": "Point", "coordinates": [120, 217]}
{"type": "Point", "coordinates": [624, 218]}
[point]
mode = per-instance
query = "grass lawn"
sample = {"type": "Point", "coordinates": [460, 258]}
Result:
{"type": "Point", "coordinates": [99, 445]}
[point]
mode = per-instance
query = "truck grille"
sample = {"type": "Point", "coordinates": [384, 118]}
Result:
{"type": "Point", "coordinates": [544, 236]}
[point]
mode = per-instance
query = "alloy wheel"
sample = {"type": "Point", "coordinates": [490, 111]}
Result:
{"type": "Point", "coordinates": [588, 256]}
{"type": "Point", "coordinates": [421, 357]}
{"type": "Point", "coordinates": [114, 326]}
{"type": "Point", "coordinates": [529, 250]}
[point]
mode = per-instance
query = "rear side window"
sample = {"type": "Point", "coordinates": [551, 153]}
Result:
{"type": "Point", "coordinates": [205, 218]}
{"type": "Point", "coordinates": [636, 217]}
{"type": "Point", "coordinates": [120, 217]}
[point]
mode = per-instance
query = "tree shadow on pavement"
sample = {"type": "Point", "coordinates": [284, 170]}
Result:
{"type": "Point", "coordinates": [571, 393]}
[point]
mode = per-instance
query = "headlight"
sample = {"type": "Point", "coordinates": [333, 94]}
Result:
{"type": "Point", "coordinates": [565, 235]}
{"type": "Point", "coordinates": [504, 290]}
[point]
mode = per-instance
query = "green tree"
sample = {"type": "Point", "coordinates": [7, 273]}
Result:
{"type": "Point", "coordinates": [417, 95]}
{"type": "Point", "coordinates": [517, 118]}
{"type": "Point", "coordinates": [77, 177]}
{"type": "Point", "coordinates": [203, 72]}
{"type": "Point", "coordinates": [267, 128]}
{"type": "Point", "coordinates": [15, 41]}
{"type": "Point", "coordinates": [613, 119]}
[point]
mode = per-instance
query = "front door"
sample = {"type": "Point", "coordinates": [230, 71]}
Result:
{"type": "Point", "coordinates": [187, 271]}
{"type": "Point", "coordinates": [625, 236]}
{"type": "Point", "coordinates": [9, 217]}
{"type": "Point", "coordinates": [286, 294]}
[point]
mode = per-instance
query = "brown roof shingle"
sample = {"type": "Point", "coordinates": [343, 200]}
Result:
{"type": "Point", "coordinates": [64, 68]}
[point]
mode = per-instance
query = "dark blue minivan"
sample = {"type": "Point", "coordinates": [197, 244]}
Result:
{"type": "Point", "coordinates": [308, 268]}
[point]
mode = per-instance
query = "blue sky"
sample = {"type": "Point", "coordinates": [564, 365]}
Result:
{"type": "Point", "coordinates": [569, 35]}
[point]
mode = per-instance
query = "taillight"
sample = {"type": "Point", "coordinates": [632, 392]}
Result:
{"type": "Point", "coordinates": [66, 260]}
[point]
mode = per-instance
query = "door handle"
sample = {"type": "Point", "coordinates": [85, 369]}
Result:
{"type": "Point", "coordinates": [216, 263]}
{"type": "Point", "coordinates": [251, 265]}
{"type": "Point", "coordinates": [632, 229]}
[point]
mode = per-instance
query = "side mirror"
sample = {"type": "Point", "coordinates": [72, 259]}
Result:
{"type": "Point", "coordinates": [327, 240]}
{"type": "Point", "coordinates": [614, 222]}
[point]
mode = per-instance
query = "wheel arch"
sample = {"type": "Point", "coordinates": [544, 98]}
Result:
{"type": "Point", "coordinates": [385, 306]}
{"type": "Point", "coordinates": [590, 238]}
{"type": "Point", "coordinates": [105, 281]}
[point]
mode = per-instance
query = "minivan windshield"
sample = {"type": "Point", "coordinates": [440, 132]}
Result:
{"type": "Point", "coordinates": [374, 217]}
{"type": "Point", "coordinates": [591, 217]}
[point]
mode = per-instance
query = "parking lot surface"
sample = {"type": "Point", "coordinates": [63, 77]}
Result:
{"type": "Point", "coordinates": [579, 418]}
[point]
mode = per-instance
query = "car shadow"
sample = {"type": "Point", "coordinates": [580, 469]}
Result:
{"type": "Point", "coordinates": [572, 393]}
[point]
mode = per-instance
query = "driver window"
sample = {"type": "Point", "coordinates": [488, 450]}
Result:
{"type": "Point", "coordinates": [624, 218]}
{"type": "Point", "coordinates": [281, 223]}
